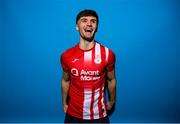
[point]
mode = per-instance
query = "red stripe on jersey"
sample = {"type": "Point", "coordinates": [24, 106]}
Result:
{"type": "Point", "coordinates": [91, 107]}
{"type": "Point", "coordinates": [100, 104]}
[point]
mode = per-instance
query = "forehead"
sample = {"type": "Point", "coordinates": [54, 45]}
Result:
{"type": "Point", "coordinates": [88, 17]}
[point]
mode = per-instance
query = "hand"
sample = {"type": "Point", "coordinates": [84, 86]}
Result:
{"type": "Point", "coordinates": [110, 105]}
{"type": "Point", "coordinates": [65, 107]}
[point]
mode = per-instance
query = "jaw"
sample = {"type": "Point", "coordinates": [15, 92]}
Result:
{"type": "Point", "coordinates": [87, 36]}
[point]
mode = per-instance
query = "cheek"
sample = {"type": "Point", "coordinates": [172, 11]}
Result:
{"type": "Point", "coordinates": [81, 28]}
{"type": "Point", "coordinates": [95, 26]}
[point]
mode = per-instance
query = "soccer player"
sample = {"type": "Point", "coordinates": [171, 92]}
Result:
{"type": "Point", "coordinates": [87, 68]}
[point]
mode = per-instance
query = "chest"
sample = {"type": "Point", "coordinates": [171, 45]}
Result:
{"type": "Point", "coordinates": [87, 63]}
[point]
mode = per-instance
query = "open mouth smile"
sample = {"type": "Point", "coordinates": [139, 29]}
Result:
{"type": "Point", "coordinates": [88, 30]}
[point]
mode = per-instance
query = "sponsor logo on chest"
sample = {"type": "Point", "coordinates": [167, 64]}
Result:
{"type": "Point", "coordinates": [86, 75]}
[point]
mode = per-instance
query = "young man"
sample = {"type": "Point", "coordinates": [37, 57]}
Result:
{"type": "Point", "coordinates": [86, 68]}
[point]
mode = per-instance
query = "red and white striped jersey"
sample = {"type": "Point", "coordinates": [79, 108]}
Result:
{"type": "Point", "coordinates": [87, 70]}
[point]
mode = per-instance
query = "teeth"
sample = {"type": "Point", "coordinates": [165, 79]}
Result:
{"type": "Point", "coordinates": [88, 30]}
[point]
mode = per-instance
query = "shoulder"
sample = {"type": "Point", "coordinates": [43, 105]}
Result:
{"type": "Point", "coordinates": [69, 51]}
{"type": "Point", "coordinates": [107, 49]}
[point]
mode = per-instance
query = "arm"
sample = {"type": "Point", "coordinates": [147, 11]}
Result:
{"type": "Point", "coordinates": [111, 88]}
{"type": "Point", "coordinates": [65, 88]}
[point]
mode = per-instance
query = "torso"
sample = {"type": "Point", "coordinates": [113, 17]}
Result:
{"type": "Point", "coordinates": [87, 70]}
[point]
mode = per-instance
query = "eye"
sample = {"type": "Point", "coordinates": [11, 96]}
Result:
{"type": "Point", "coordinates": [93, 20]}
{"type": "Point", "coordinates": [83, 20]}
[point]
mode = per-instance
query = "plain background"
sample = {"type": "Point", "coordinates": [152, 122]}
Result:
{"type": "Point", "coordinates": [144, 34]}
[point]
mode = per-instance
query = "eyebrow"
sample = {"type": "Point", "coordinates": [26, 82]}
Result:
{"type": "Point", "coordinates": [90, 20]}
{"type": "Point", "coordinates": [83, 19]}
{"type": "Point", "coordinates": [94, 20]}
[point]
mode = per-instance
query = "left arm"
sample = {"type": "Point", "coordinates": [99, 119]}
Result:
{"type": "Point", "coordinates": [111, 88]}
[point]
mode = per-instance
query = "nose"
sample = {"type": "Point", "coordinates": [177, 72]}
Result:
{"type": "Point", "coordinates": [89, 23]}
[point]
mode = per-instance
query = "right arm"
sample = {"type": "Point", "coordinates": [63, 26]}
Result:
{"type": "Point", "coordinates": [65, 88]}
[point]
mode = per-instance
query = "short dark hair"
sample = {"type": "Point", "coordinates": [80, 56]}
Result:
{"type": "Point", "coordinates": [87, 12]}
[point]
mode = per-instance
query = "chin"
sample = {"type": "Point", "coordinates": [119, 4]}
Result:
{"type": "Point", "coordinates": [89, 39]}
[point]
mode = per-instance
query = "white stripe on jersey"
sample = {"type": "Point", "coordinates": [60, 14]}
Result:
{"type": "Point", "coordinates": [88, 56]}
{"type": "Point", "coordinates": [95, 106]}
{"type": "Point", "coordinates": [87, 104]}
{"type": "Point", "coordinates": [107, 53]}
{"type": "Point", "coordinates": [98, 58]}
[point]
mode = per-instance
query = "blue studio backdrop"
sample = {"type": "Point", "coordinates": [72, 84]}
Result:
{"type": "Point", "coordinates": [144, 34]}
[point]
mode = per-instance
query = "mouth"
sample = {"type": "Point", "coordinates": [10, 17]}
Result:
{"type": "Point", "coordinates": [88, 34]}
{"type": "Point", "coordinates": [88, 30]}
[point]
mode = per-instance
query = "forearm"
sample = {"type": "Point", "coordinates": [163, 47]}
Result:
{"type": "Point", "coordinates": [65, 89]}
{"type": "Point", "coordinates": [112, 90]}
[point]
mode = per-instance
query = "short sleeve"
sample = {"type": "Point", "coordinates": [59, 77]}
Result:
{"type": "Point", "coordinates": [63, 63]}
{"type": "Point", "coordinates": [111, 61]}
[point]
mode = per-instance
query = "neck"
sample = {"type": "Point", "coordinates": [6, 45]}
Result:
{"type": "Point", "coordinates": [86, 45]}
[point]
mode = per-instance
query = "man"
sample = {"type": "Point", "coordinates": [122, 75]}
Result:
{"type": "Point", "coordinates": [86, 68]}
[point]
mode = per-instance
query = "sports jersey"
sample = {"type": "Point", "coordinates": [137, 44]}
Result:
{"type": "Point", "coordinates": [87, 69]}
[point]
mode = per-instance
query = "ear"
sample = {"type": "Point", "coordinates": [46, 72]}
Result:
{"type": "Point", "coordinates": [77, 28]}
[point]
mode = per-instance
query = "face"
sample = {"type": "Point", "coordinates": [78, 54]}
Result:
{"type": "Point", "coordinates": [87, 27]}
